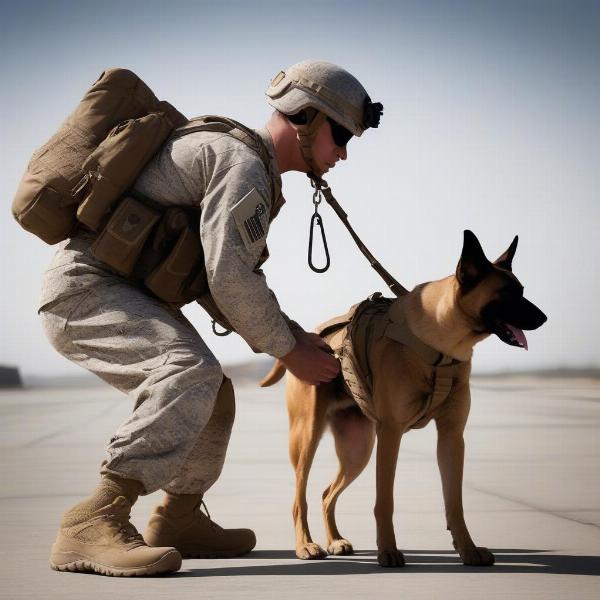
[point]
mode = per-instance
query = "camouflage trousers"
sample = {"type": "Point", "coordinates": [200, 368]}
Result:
{"type": "Point", "coordinates": [183, 406]}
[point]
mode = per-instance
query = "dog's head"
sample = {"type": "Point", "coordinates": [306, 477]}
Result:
{"type": "Point", "coordinates": [492, 297]}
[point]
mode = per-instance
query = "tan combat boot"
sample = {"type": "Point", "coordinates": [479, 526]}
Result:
{"type": "Point", "coordinates": [104, 541]}
{"type": "Point", "coordinates": [179, 522]}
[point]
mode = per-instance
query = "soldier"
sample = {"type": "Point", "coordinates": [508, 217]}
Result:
{"type": "Point", "coordinates": [177, 435]}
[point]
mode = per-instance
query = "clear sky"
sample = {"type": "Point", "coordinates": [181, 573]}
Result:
{"type": "Point", "coordinates": [492, 123]}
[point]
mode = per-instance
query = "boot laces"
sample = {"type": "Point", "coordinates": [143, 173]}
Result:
{"type": "Point", "coordinates": [124, 528]}
{"type": "Point", "coordinates": [206, 514]}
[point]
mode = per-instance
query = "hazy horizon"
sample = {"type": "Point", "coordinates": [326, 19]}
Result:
{"type": "Point", "coordinates": [491, 123]}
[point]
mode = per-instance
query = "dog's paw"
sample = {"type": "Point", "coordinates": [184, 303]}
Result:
{"type": "Point", "coordinates": [391, 558]}
{"type": "Point", "coordinates": [340, 546]}
{"type": "Point", "coordinates": [310, 551]}
{"type": "Point", "coordinates": [477, 557]}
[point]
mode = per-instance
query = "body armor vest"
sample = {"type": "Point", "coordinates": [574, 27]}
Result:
{"type": "Point", "coordinates": [159, 247]}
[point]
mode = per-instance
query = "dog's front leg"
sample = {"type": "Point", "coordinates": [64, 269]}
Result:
{"type": "Point", "coordinates": [450, 455]}
{"type": "Point", "coordinates": [388, 444]}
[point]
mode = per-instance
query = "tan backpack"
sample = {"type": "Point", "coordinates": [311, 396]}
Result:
{"type": "Point", "coordinates": [83, 174]}
{"type": "Point", "coordinates": [97, 153]}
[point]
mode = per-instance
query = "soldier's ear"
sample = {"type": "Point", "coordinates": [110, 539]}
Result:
{"type": "Point", "coordinates": [504, 261]}
{"type": "Point", "coordinates": [473, 265]}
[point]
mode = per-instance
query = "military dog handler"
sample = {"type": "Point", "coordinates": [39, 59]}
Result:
{"type": "Point", "coordinates": [177, 436]}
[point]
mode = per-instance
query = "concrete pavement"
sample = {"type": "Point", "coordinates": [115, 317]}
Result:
{"type": "Point", "coordinates": [531, 493]}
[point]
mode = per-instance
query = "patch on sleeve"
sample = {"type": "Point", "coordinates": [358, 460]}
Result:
{"type": "Point", "coordinates": [250, 215]}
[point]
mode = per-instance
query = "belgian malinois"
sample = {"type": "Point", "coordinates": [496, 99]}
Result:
{"type": "Point", "coordinates": [446, 318]}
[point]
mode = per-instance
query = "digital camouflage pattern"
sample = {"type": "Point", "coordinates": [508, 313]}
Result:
{"type": "Point", "coordinates": [146, 348]}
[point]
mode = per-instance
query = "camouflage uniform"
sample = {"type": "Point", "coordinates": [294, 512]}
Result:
{"type": "Point", "coordinates": [148, 349]}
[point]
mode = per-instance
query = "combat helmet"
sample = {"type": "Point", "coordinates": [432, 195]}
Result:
{"type": "Point", "coordinates": [323, 90]}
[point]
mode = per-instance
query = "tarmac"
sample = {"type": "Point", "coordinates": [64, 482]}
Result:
{"type": "Point", "coordinates": [531, 495]}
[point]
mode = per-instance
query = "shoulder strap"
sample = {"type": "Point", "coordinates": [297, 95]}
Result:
{"type": "Point", "coordinates": [231, 127]}
{"type": "Point", "coordinates": [242, 133]}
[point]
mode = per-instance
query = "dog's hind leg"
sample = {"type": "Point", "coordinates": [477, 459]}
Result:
{"type": "Point", "coordinates": [354, 437]}
{"type": "Point", "coordinates": [307, 421]}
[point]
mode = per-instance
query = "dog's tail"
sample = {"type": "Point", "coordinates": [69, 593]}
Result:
{"type": "Point", "coordinates": [274, 375]}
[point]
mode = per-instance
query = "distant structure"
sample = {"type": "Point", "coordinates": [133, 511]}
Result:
{"type": "Point", "coordinates": [10, 377]}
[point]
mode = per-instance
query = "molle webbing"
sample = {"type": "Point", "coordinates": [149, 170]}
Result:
{"type": "Point", "coordinates": [159, 247]}
{"type": "Point", "coordinates": [96, 154]}
{"type": "Point", "coordinates": [351, 337]}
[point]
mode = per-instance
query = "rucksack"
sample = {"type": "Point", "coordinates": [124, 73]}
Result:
{"type": "Point", "coordinates": [97, 153]}
{"type": "Point", "coordinates": [82, 177]}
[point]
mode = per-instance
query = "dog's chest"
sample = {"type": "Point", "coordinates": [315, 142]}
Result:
{"type": "Point", "coordinates": [441, 384]}
{"type": "Point", "coordinates": [355, 342]}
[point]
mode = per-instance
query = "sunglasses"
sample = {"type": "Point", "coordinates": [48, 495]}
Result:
{"type": "Point", "coordinates": [341, 136]}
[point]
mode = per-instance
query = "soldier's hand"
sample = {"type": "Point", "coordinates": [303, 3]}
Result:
{"type": "Point", "coordinates": [311, 359]}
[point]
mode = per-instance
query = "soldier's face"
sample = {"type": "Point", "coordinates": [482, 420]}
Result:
{"type": "Point", "coordinates": [325, 151]}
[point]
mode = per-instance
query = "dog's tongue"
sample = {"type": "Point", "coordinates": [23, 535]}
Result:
{"type": "Point", "coordinates": [519, 336]}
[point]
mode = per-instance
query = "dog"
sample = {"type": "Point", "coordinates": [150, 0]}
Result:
{"type": "Point", "coordinates": [405, 362]}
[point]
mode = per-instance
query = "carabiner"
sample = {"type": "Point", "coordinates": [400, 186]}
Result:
{"type": "Point", "coordinates": [222, 333]}
{"type": "Point", "coordinates": [316, 218]}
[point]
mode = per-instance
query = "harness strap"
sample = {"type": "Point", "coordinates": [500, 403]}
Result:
{"type": "Point", "coordinates": [443, 379]}
{"type": "Point", "coordinates": [352, 335]}
{"type": "Point", "coordinates": [398, 330]}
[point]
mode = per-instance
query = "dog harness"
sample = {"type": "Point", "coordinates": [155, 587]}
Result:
{"type": "Point", "coordinates": [351, 336]}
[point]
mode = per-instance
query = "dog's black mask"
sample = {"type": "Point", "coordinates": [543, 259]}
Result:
{"type": "Point", "coordinates": [498, 294]}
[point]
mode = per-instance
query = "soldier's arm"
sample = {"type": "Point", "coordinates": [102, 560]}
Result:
{"type": "Point", "coordinates": [233, 237]}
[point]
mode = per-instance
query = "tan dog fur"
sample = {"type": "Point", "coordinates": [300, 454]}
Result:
{"type": "Point", "coordinates": [449, 321]}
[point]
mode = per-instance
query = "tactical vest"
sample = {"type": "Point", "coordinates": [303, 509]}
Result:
{"type": "Point", "coordinates": [159, 247]}
{"type": "Point", "coordinates": [82, 178]}
{"type": "Point", "coordinates": [351, 335]}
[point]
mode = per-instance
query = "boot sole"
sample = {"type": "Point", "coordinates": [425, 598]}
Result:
{"type": "Point", "coordinates": [76, 563]}
{"type": "Point", "coordinates": [187, 552]}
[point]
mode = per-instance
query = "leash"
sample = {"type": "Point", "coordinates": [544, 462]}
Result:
{"type": "Point", "coordinates": [322, 189]}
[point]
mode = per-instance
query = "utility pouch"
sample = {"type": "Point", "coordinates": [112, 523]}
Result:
{"type": "Point", "coordinates": [121, 242]}
{"type": "Point", "coordinates": [115, 164]}
{"type": "Point", "coordinates": [164, 237]}
{"type": "Point", "coordinates": [43, 203]}
{"type": "Point", "coordinates": [44, 211]}
{"type": "Point", "coordinates": [179, 278]}
{"type": "Point", "coordinates": [79, 161]}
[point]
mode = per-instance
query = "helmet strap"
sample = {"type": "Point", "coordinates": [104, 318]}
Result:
{"type": "Point", "coordinates": [306, 136]}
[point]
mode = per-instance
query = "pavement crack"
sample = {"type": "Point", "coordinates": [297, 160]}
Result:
{"type": "Point", "coordinates": [529, 505]}
{"type": "Point", "coordinates": [70, 426]}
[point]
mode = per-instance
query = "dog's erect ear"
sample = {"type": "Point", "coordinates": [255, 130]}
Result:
{"type": "Point", "coordinates": [473, 264]}
{"type": "Point", "coordinates": [505, 261]}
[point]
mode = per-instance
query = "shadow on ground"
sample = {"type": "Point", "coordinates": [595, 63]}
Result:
{"type": "Point", "coordinates": [418, 561]}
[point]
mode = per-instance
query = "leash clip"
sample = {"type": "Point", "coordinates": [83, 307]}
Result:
{"type": "Point", "coordinates": [317, 221]}
{"type": "Point", "coordinates": [220, 333]}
